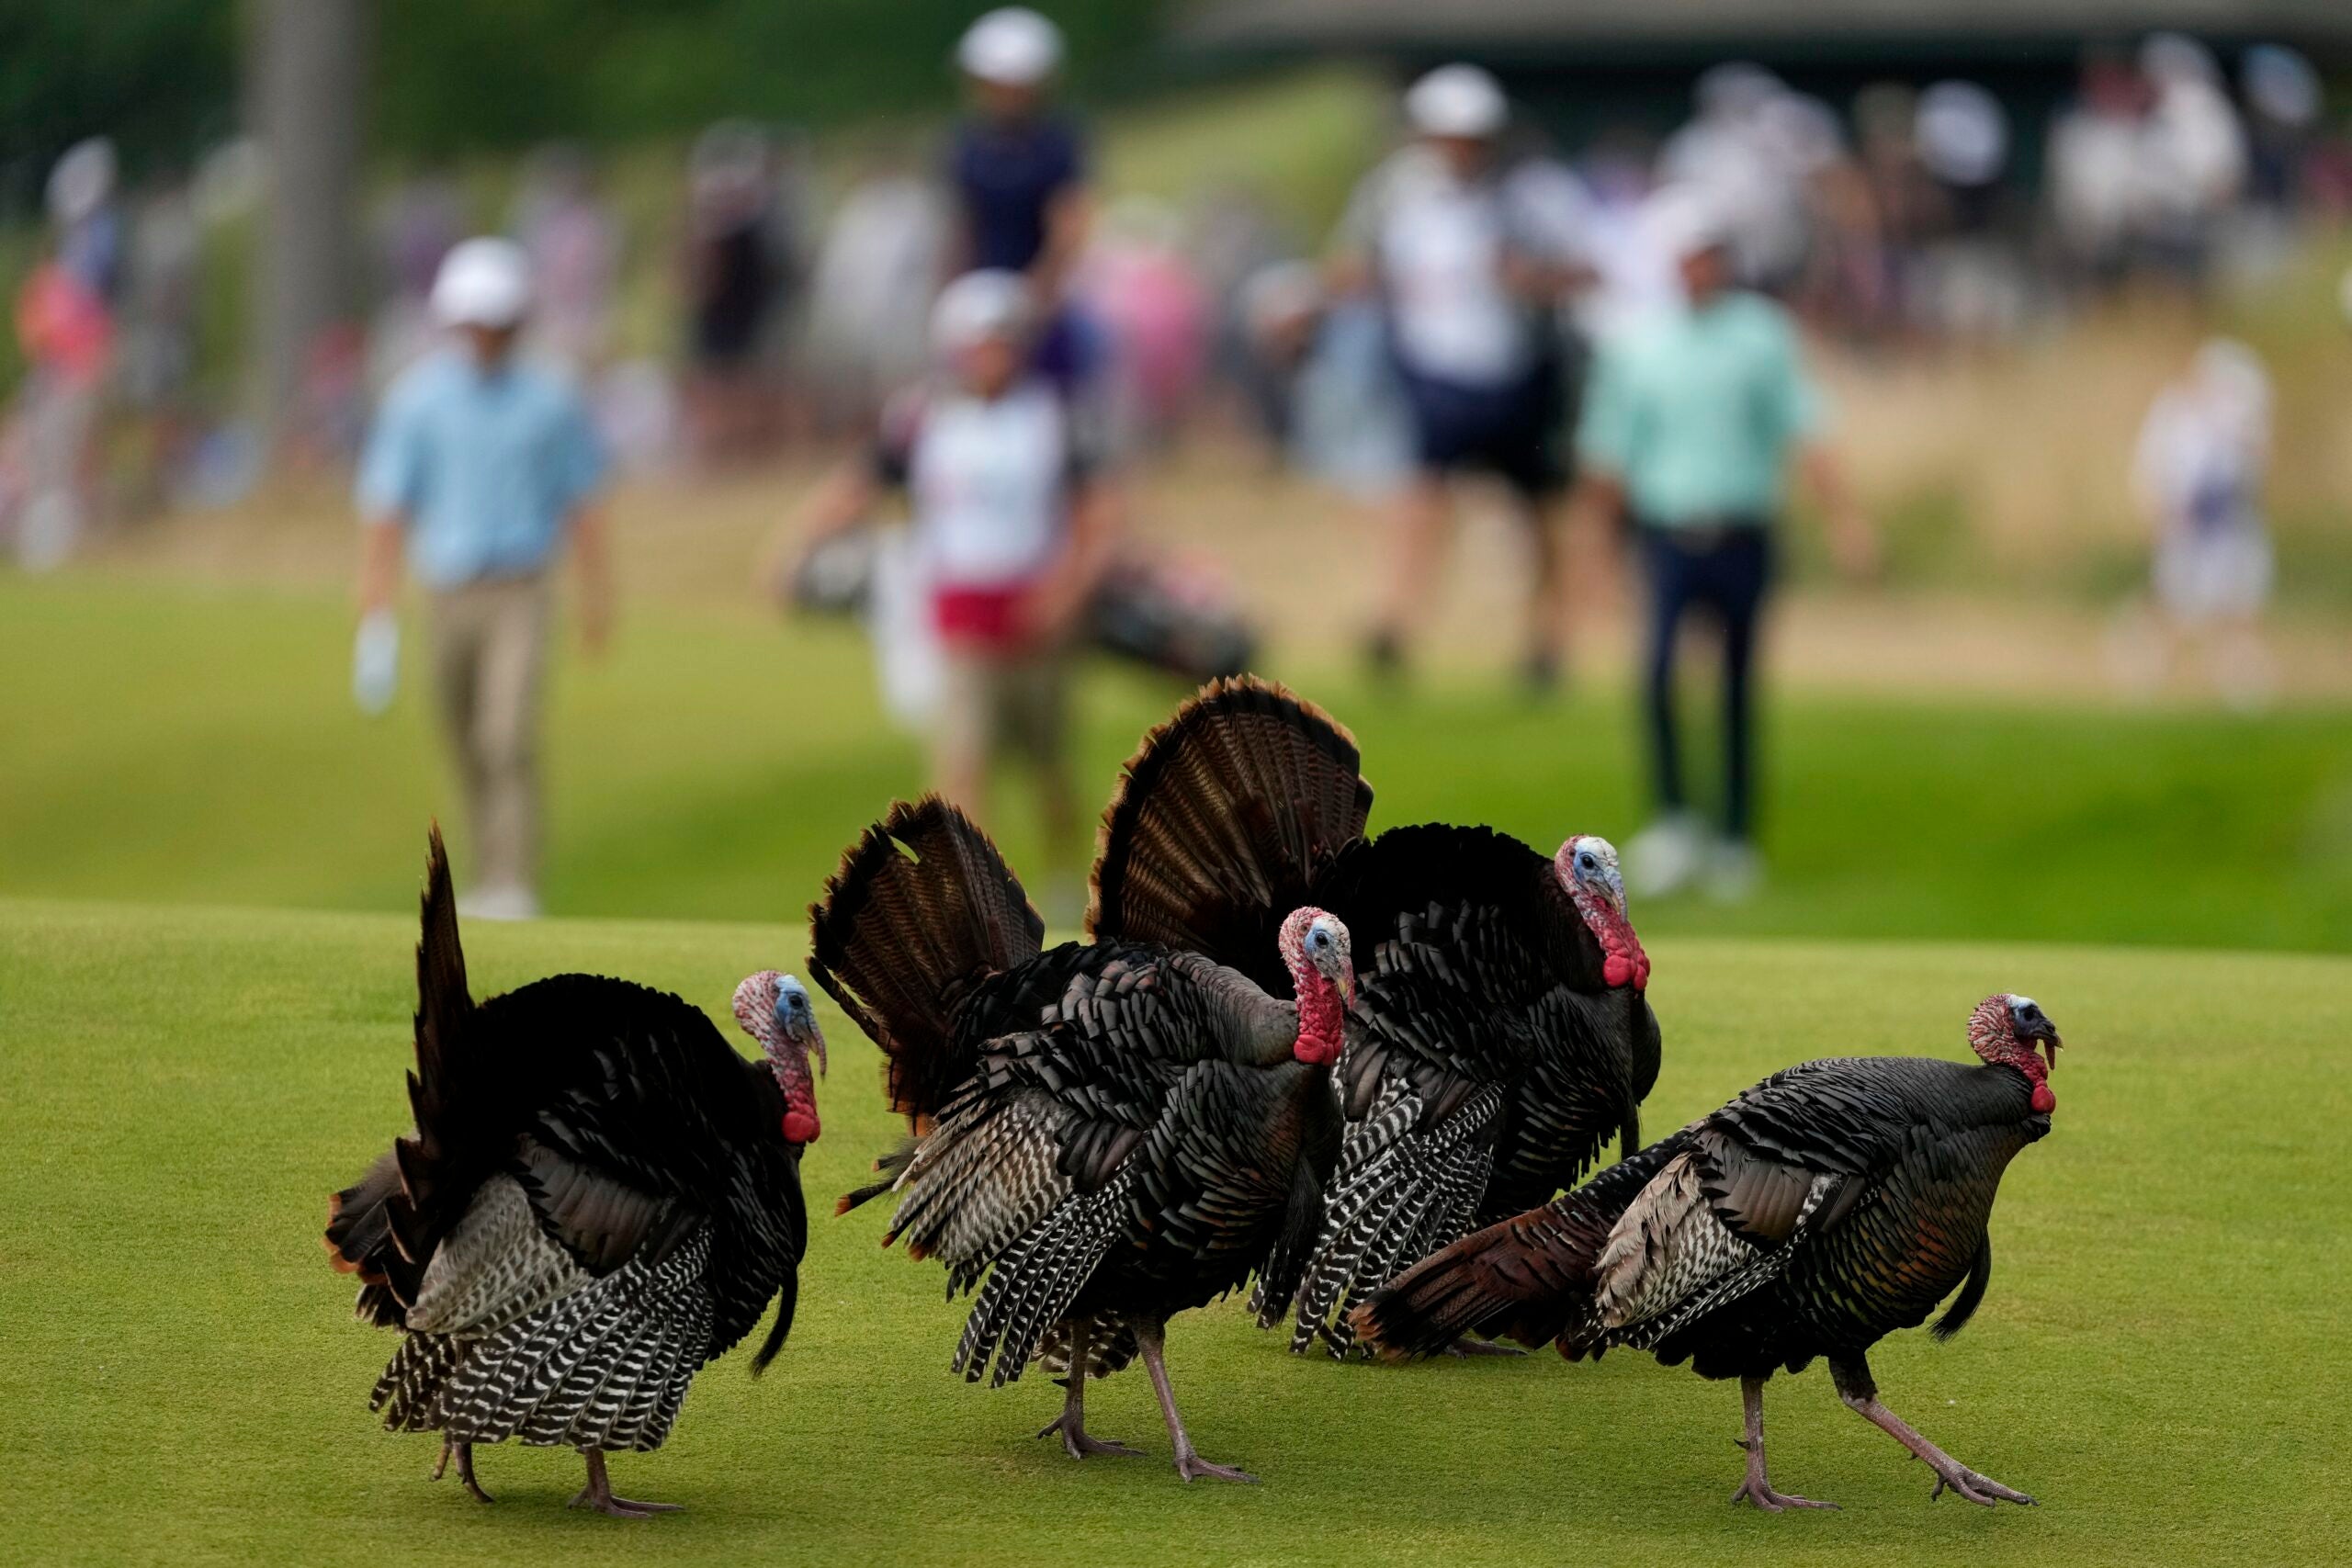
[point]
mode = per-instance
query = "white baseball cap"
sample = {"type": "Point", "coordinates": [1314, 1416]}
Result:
{"type": "Point", "coordinates": [979, 307]}
{"type": "Point", "coordinates": [482, 283]}
{"type": "Point", "coordinates": [1963, 133]}
{"type": "Point", "coordinates": [1684, 219]}
{"type": "Point", "coordinates": [2176, 58]}
{"type": "Point", "coordinates": [1012, 46]}
{"type": "Point", "coordinates": [81, 180]}
{"type": "Point", "coordinates": [2282, 84]}
{"type": "Point", "coordinates": [1457, 100]}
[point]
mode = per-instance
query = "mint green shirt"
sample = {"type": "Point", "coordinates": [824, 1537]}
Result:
{"type": "Point", "coordinates": [1697, 411]}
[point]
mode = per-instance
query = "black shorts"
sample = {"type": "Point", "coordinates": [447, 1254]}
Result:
{"type": "Point", "coordinates": [1512, 430]}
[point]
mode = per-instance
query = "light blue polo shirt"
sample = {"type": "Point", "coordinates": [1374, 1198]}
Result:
{"type": "Point", "coordinates": [1697, 411]}
{"type": "Point", "coordinates": [482, 469]}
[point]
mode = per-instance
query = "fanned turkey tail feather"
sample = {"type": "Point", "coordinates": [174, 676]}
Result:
{"type": "Point", "coordinates": [1223, 821]}
{"type": "Point", "coordinates": [923, 908]}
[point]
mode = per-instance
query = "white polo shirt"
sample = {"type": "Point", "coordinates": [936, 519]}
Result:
{"type": "Point", "coordinates": [989, 482]}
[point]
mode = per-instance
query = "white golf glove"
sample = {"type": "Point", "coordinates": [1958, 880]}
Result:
{"type": "Point", "coordinates": [376, 662]}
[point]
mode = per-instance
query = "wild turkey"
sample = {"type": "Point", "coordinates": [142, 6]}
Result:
{"type": "Point", "coordinates": [1108, 1135]}
{"type": "Point", "coordinates": [1827, 1207]}
{"type": "Point", "coordinates": [1503, 1036]}
{"type": "Point", "coordinates": [600, 1196]}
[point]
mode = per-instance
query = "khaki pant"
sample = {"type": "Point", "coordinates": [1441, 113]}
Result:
{"type": "Point", "coordinates": [490, 645]}
{"type": "Point", "coordinates": [992, 704]}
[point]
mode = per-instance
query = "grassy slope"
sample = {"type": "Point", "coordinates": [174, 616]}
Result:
{"type": "Point", "coordinates": [197, 744]}
{"type": "Point", "coordinates": [183, 1382]}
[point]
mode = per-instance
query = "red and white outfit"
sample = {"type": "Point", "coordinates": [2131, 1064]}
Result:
{"type": "Point", "coordinates": [989, 482]}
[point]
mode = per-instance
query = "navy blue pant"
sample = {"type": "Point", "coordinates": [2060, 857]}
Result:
{"type": "Point", "coordinates": [1722, 572]}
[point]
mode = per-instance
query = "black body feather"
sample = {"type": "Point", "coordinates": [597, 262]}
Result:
{"type": "Point", "coordinates": [597, 1198]}
{"type": "Point", "coordinates": [1830, 1205]}
{"type": "Point", "coordinates": [1108, 1134]}
{"type": "Point", "coordinates": [1489, 1064]}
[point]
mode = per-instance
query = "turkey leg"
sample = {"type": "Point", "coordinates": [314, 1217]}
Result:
{"type": "Point", "coordinates": [1755, 1489]}
{"type": "Point", "coordinates": [1153, 1339]}
{"type": "Point", "coordinates": [1072, 1423]}
{"type": "Point", "coordinates": [465, 1455]}
{"type": "Point", "coordinates": [1860, 1391]}
{"type": "Point", "coordinates": [598, 1493]}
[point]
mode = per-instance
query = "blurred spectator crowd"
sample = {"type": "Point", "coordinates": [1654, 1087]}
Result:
{"type": "Point", "coordinates": [1914, 214]}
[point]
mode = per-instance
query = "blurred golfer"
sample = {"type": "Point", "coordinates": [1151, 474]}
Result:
{"type": "Point", "coordinates": [485, 467]}
{"type": "Point", "coordinates": [1460, 247]}
{"type": "Point", "coordinates": [1011, 538]}
{"type": "Point", "coordinates": [2199, 474]}
{"type": "Point", "coordinates": [1017, 170]}
{"type": "Point", "coordinates": [1692, 421]}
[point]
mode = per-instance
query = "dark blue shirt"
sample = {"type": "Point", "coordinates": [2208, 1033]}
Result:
{"type": "Point", "coordinates": [1007, 174]}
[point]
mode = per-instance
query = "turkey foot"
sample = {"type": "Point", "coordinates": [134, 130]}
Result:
{"type": "Point", "coordinates": [1071, 1422]}
{"type": "Point", "coordinates": [1466, 1346]}
{"type": "Point", "coordinates": [598, 1493]}
{"type": "Point", "coordinates": [1191, 1466]}
{"type": "Point", "coordinates": [1755, 1489]}
{"type": "Point", "coordinates": [465, 1454]}
{"type": "Point", "coordinates": [1861, 1396]}
{"type": "Point", "coordinates": [1078, 1442]}
{"type": "Point", "coordinates": [1152, 1339]}
{"type": "Point", "coordinates": [1976, 1488]}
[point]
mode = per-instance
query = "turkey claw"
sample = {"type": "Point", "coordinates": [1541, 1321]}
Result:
{"type": "Point", "coordinates": [1190, 1466]}
{"type": "Point", "coordinates": [464, 1456]}
{"type": "Point", "coordinates": [622, 1507]}
{"type": "Point", "coordinates": [1982, 1490]}
{"type": "Point", "coordinates": [1077, 1443]}
{"type": "Point", "coordinates": [1772, 1502]}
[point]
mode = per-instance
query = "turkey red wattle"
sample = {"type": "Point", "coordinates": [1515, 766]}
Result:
{"type": "Point", "coordinates": [1322, 1021]}
{"type": "Point", "coordinates": [1315, 949]}
{"type": "Point", "coordinates": [1586, 867]}
{"type": "Point", "coordinates": [788, 1047]}
{"type": "Point", "coordinates": [791, 1068]}
{"type": "Point", "coordinates": [1992, 1034]}
{"type": "Point", "coordinates": [1623, 962]}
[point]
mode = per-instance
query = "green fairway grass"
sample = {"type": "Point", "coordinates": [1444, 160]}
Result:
{"type": "Point", "coordinates": [197, 744]}
{"type": "Point", "coordinates": [2160, 1359]}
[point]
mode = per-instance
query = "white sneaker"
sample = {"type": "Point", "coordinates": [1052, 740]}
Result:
{"type": "Point", "coordinates": [1665, 857]}
{"type": "Point", "coordinates": [507, 903]}
{"type": "Point", "coordinates": [1734, 872]}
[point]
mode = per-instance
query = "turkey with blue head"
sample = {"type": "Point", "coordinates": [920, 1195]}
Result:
{"type": "Point", "coordinates": [599, 1196]}
{"type": "Point", "coordinates": [1105, 1134]}
{"type": "Point", "coordinates": [1827, 1207]}
{"type": "Point", "coordinates": [1504, 1036]}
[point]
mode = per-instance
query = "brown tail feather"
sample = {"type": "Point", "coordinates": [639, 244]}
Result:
{"type": "Point", "coordinates": [381, 1227]}
{"type": "Point", "coordinates": [1221, 821]}
{"type": "Point", "coordinates": [1529, 1279]}
{"type": "Point", "coordinates": [444, 1008]}
{"type": "Point", "coordinates": [359, 1241]}
{"type": "Point", "coordinates": [922, 908]}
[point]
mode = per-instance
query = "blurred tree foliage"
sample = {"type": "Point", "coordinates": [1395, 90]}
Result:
{"type": "Point", "coordinates": [157, 75]}
{"type": "Point", "coordinates": [458, 76]}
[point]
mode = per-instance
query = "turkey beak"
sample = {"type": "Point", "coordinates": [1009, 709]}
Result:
{"type": "Point", "coordinates": [2043, 1036]}
{"type": "Point", "coordinates": [1341, 969]}
{"type": "Point", "coordinates": [816, 1045]}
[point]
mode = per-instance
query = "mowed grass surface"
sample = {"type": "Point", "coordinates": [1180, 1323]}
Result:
{"type": "Point", "coordinates": [2160, 1359]}
{"type": "Point", "coordinates": [197, 744]}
